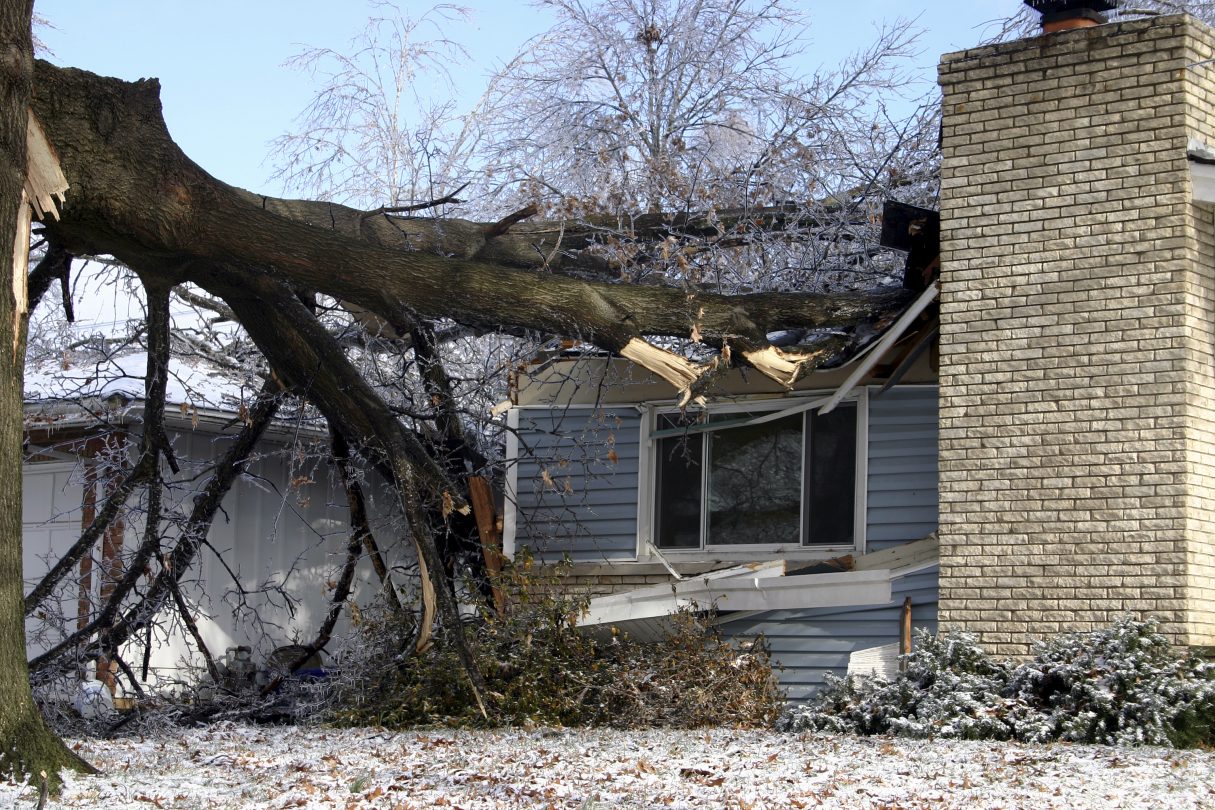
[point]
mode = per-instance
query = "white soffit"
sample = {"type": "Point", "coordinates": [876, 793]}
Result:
{"type": "Point", "coordinates": [1202, 178]}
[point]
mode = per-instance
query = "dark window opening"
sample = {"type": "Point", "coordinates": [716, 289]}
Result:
{"type": "Point", "coordinates": [786, 482]}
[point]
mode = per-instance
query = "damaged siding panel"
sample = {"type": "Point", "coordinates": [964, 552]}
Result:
{"type": "Point", "coordinates": [808, 644]}
{"type": "Point", "coordinates": [902, 471]}
{"type": "Point", "coordinates": [577, 483]}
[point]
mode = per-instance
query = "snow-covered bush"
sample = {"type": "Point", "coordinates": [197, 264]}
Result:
{"type": "Point", "coordinates": [1121, 685]}
{"type": "Point", "coordinates": [949, 687]}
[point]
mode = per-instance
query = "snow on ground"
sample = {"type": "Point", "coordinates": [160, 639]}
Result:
{"type": "Point", "coordinates": [241, 766]}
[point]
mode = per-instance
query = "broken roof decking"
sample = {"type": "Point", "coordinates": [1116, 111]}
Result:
{"type": "Point", "coordinates": [758, 587]}
{"type": "Point", "coordinates": [579, 379]}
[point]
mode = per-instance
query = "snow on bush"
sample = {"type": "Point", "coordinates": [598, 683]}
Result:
{"type": "Point", "coordinates": [1123, 685]}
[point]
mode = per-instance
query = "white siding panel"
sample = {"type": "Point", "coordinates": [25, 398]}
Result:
{"type": "Point", "coordinates": [281, 532]}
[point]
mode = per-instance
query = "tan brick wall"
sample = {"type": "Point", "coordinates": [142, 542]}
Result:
{"type": "Point", "coordinates": [1077, 432]}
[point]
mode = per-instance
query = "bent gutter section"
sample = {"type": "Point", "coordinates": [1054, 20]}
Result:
{"type": "Point", "coordinates": [754, 593]}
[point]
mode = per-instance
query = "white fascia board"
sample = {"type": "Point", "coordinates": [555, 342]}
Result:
{"type": "Point", "coordinates": [510, 505]}
{"type": "Point", "coordinates": [914, 568]}
{"type": "Point", "coordinates": [756, 593]}
{"type": "Point", "coordinates": [764, 570]}
{"type": "Point", "coordinates": [880, 348]}
{"type": "Point", "coordinates": [1202, 180]}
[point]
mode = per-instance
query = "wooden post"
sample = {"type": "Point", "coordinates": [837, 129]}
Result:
{"type": "Point", "coordinates": [482, 500]}
{"type": "Point", "coordinates": [88, 511]}
{"type": "Point", "coordinates": [905, 632]}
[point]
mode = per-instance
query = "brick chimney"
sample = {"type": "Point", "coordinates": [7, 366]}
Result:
{"type": "Point", "coordinates": [1077, 450]}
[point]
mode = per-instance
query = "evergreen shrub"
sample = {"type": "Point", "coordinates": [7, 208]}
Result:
{"type": "Point", "coordinates": [1121, 685]}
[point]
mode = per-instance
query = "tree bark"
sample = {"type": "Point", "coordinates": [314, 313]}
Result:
{"type": "Point", "coordinates": [27, 745]}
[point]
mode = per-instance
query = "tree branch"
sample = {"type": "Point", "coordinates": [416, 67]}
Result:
{"type": "Point", "coordinates": [54, 264]}
{"type": "Point", "coordinates": [404, 209]}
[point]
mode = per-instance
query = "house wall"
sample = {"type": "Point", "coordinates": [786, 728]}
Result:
{"type": "Point", "coordinates": [576, 483]}
{"type": "Point", "coordinates": [282, 534]}
{"type": "Point", "coordinates": [587, 508]}
{"type": "Point", "coordinates": [806, 645]}
{"type": "Point", "coordinates": [901, 505]}
{"type": "Point", "coordinates": [1076, 339]}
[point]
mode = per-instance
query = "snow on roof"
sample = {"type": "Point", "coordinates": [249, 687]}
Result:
{"type": "Point", "coordinates": [190, 383]}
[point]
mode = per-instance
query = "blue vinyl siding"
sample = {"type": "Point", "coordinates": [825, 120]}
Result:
{"type": "Point", "coordinates": [589, 510]}
{"type": "Point", "coordinates": [807, 644]}
{"type": "Point", "coordinates": [902, 471]}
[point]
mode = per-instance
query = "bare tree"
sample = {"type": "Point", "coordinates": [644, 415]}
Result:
{"type": "Point", "coordinates": [367, 312]}
{"type": "Point", "coordinates": [26, 744]}
{"type": "Point", "coordinates": [381, 131]}
{"type": "Point", "coordinates": [681, 106]}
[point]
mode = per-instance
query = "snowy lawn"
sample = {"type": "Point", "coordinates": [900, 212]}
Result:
{"type": "Point", "coordinates": [240, 766]}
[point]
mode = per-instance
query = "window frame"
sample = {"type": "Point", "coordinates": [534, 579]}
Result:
{"type": "Point", "coordinates": [797, 404]}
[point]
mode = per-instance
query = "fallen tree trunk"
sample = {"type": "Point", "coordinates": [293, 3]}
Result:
{"type": "Point", "coordinates": [137, 197]}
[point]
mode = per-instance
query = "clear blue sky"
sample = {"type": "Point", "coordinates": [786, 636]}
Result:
{"type": "Point", "coordinates": [226, 94]}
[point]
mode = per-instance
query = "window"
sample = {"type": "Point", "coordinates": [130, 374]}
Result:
{"type": "Point", "coordinates": [743, 480]}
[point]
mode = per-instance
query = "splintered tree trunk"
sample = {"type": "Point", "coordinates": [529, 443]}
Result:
{"type": "Point", "coordinates": [26, 744]}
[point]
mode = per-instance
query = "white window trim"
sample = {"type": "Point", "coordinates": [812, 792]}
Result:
{"type": "Point", "coordinates": [772, 409]}
{"type": "Point", "coordinates": [510, 505]}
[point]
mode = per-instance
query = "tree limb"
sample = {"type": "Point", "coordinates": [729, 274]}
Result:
{"type": "Point", "coordinates": [54, 264]}
{"type": "Point", "coordinates": [180, 223]}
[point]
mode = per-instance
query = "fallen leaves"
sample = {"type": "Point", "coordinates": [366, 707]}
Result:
{"type": "Point", "coordinates": [230, 765]}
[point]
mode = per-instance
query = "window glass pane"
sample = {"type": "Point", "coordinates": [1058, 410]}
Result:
{"type": "Point", "coordinates": [678, 508]}
{"type": "Point", "coordinates": [831, 476]}
{"type": "Point", "coordinates": [755, 483]}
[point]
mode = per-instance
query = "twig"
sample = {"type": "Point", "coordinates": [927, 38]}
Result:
{"type": "Point", "coordinates": [188, 620]}
{"type": "Point", "coordinates": [404, 209]}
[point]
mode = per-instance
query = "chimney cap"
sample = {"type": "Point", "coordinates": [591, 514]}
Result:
{"type": "Point", "coordinates": [1057, 10]}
